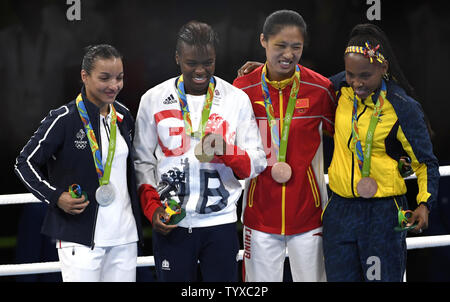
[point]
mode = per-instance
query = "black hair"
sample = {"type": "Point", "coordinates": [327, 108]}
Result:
{"type": "Point", "coordinates": [276, 21]}
{"type": "Point", "coordinates": [373, 34]}
{"type": "Point", "coordinates": [101, 51]}
{"type": "Point", "coordinates": [198, 34]}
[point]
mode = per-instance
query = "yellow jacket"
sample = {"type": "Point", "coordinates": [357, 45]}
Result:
{"type": "Point", "coordinates": [401, 130]}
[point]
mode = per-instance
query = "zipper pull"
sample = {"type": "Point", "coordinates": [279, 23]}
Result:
{"type": "Point", "coordinates": [190, 230]}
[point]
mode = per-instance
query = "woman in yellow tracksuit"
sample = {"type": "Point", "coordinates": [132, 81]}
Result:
{"type": "Point", "coordinates": [377, 121]}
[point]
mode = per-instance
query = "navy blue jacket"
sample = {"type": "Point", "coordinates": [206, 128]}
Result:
{"type": "Point", "coordinates": [58, 155]}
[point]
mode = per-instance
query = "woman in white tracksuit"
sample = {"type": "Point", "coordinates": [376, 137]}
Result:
{"type": "Point", "coordinates": [173, 118]}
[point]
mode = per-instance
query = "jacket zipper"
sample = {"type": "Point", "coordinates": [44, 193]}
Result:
{"type": "Point", "coordinates": [93, 230]}
{"type": "Point", "coordinates": [99, 142]}
{"type": "Point", "coordinates": [353, 174]}
{"type": "Point", "coordinates": [353, 156]}
{"type": "Point", "coordinates": [283, 186]}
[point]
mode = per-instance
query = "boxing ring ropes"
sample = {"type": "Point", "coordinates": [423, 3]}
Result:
{"type": "Point", "coordinates": [144, 261]}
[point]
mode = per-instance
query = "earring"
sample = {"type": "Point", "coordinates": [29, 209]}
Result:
{"type": "Point", "coordinates": [386, 76]}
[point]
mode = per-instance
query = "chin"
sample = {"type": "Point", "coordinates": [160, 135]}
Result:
{"type": "Point", "coordinates": [287, 72]}
{"type": "Point", "coordinates": [109, 100]}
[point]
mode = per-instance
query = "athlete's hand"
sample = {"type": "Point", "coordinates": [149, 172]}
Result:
{"type": "Point", "coordinates": [72, 205]}
{"type": "Point", "coordinates": [157, 223]}
{"type": "Point", "coordinates": [420, 215]}
{"type": "Point", "coordinates": [248, 67]}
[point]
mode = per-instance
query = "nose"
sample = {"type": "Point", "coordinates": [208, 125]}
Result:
{"type": "Point", "coordinates": [289, 55]}
{"type": "Point", "coordinates": [357, 83]}
{"type": "Point", "coordinates": [199, 70]}
{"type": "Point", "coordinates": [116, 85]}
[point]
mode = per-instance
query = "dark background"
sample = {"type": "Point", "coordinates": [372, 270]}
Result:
{"type": "Point", "coordinates": [41, 52]}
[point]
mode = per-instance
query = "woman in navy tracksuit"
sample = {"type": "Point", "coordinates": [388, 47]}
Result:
{"type": "Point", "coordinates": [59, 154]}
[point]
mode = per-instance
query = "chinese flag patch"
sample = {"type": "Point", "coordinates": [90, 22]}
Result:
{"type": "Point", "coordinates": [302, 103]}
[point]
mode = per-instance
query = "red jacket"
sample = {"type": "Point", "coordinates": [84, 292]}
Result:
{"type": "Point", "coordinates": [296, 206]}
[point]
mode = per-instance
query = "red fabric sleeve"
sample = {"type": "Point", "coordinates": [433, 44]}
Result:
{"type": "Point", "coordinates": [150, 200]}
{"type": "Point", "coordinates": [238, 160]}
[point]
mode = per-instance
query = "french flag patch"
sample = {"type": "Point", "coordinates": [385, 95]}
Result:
{"type": "Point", "coordinates": [119, 117]}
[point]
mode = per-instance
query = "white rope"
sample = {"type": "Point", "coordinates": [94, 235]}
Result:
{"type": "Point", "coordinates": [18, 199]}
{"type": "Point", "coordinates": [53, 267]}
{"type": "Point", "coordinates": [29, 198]}
{"type": "Point", "coordinates": [427, 241]}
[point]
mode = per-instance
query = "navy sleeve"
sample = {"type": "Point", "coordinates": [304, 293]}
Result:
{"type": "Point", "coordinates": [337, 80]}
{"type": "Point", "coordinates": [418, 142]}
{"type": "Point", "coordinates": [37, 152]}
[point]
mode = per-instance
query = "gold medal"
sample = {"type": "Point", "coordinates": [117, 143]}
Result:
{"type": "Point", "coordinates": [203, 156]}
{"type": "Point", "coordinates": [211, 144]}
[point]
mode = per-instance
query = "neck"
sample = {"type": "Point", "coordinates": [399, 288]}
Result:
{"type": "Point", "coordinates": [271, 76]}
{"type": "Point", "coordinates": [104, 110]}
{"type": "Point", "coordinates": [195, 92]}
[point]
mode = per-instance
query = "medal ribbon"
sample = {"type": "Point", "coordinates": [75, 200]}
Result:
{"type": "Point", "coordinates": [185, 108]}
{"type": "Point", "coordinates": [102, 172]}
{"type": "Point", "coordinates": [363, 158]}
{"type": "Point", "coordinates": [280, 145]}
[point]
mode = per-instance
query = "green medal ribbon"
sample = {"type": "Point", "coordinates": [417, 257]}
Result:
{"type": "Point", "coordinates": [102, 172]}
{"type": "Point", "coordinates": [363, 158]}
{"type": "Point", "coordinates": [185, 108]}
{"type": "Point", "coordinates": [280, 144]}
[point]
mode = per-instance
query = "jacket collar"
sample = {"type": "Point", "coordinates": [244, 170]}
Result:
{"type": "Point", "coordinates": [279, 84]}
{"type": "Point", "coordinates": [91, 107]}
{"type": "Point", "coordinates": [373, 96]}
{"type": "Point", "coordinates": [93, 110]}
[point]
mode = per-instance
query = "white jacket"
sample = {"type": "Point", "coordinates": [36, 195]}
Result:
{"type": "Point", "coordinates": [211, 189]}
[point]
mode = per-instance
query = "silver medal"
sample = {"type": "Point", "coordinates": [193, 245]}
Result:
{"type": "Point", "coordinates": [105, 194]}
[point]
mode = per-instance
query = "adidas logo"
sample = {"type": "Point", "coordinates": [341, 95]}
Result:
{"type": "Point", "coordinates": [170, 100]}
{"type": "Point", "coordinates": [165, 265]}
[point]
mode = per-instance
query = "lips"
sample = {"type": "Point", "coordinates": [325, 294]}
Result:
{"type": "Point", "coordinates": [361, 92]}
{"type": "Point", "coordinates": [285, 64]}
{"type": "Point", "coordinates": [199, 80]}
{"type": "Point", "coordinates": [111, 94]}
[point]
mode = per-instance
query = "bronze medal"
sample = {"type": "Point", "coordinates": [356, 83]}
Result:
{"type": "Point", "coordinates": [367, 187]}
{"type": "Point", "coordinates": [281, 172]}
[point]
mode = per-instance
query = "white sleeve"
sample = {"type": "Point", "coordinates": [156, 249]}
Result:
{"type": "Point", "coordinates": [145, 143]}
{"type": "Point", "coordinates": [248, 137]}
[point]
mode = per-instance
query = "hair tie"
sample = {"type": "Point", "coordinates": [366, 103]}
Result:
{"type": "Point", "coordinates": [367, 51]}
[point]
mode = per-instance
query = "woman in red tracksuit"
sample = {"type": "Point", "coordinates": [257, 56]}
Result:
{"type": "Point", "coordinates": [282, 206]}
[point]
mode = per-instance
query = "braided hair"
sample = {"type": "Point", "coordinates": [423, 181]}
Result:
{"type": "Point", "coordinates": [371, 33]}
{"type": "Point", "coordinates": [197, 34]}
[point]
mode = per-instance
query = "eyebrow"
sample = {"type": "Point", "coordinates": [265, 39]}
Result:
{"type": "Point", "coordinates": [208, 60]}
{"type": "Point", "coordinates": [284, 42]}
{"type": "Point", "coordinates": [108, 74]}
